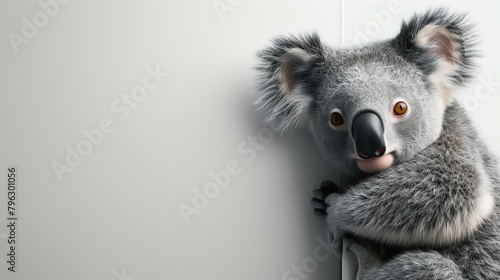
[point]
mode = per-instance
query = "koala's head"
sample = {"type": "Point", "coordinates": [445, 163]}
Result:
{"type": "Point", "coordinates": [373, 106]}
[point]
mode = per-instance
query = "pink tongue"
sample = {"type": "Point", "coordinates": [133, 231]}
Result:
{"type": "Point", "coordinates": [376, 164]}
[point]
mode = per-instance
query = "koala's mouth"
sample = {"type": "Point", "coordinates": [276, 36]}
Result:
{"type": "Point", "coordinates": [375, 164]}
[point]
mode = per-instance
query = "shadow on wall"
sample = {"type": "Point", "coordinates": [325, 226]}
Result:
{"type": "Point", "coordinates": [308, 168]}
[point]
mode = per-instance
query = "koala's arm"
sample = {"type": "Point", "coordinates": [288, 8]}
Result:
{"type": "Point", "coordinates": [435, 199]}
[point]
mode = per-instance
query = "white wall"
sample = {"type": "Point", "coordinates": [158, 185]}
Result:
{"type": "Point", "coordinates": [116, 213]}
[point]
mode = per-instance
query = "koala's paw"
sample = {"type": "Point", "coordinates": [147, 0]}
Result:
{"type": "Point", "coordinates": [318, 201]}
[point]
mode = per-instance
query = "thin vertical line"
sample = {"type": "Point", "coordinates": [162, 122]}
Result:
{"type": "Point", "coordinates": [342, 22]}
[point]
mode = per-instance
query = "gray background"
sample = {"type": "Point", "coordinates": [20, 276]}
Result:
{"type": "Point", "coordinates": [116, 215]}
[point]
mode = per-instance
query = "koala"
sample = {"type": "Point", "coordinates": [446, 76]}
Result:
{"type": "Point", "coordinates": [387, 113]}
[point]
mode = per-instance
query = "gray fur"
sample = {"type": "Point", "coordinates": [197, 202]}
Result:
{"type": "Point", "coordinates": [439, 202]}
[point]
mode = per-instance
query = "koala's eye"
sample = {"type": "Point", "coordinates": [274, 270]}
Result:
{"type": "Point", "coordinates": [400, 108]}
{"type": "Point", "coordinates": [336, 119]}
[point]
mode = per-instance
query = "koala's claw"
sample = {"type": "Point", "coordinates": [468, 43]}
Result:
{"type": "Point", "coordinates": [318, 202]}
{"type": "Point", "coordinates": [328, 187]}
{"type": "Point", "coordinates": [319, 206]}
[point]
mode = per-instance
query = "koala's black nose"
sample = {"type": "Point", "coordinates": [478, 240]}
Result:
{"type": "Point", "coordinates": [368, 135]}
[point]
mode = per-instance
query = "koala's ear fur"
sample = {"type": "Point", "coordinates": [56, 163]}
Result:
{"type": "Point", "coordinates": [441, 44]}
{"type": "Point", "coordinates": [290, 70]}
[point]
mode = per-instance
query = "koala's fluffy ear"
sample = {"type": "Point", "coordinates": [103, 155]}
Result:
{"type": "Point", "coordinates": [290, 70]}
{"type": "Point", "coordinates": [441, 44]}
